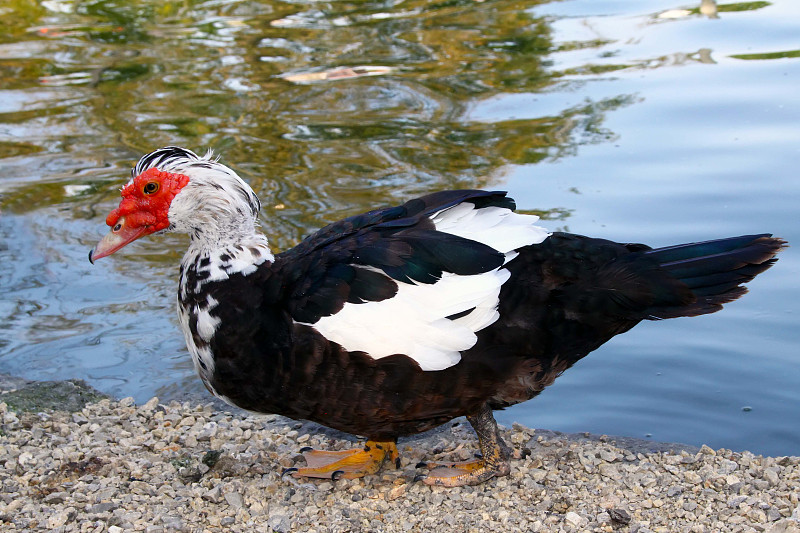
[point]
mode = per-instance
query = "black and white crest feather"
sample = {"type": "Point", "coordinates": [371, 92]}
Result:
{"type": "Point", "coordinates": [165, 159]}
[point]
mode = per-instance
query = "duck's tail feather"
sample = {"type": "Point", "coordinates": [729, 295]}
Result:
{"type": "Point", "coordinates": [714, 271]}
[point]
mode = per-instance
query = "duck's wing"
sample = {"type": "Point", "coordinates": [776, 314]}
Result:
{"type": "Point", "coordinates": [417, 279]}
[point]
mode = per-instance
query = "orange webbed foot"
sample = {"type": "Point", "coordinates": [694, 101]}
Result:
{"type": "Point", "coordinates": [347, 464]}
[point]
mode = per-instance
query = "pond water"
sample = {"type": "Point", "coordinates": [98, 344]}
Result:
{"type": "Point", "coordinates": [654, 122]}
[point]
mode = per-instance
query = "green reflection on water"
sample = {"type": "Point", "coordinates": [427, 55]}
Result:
{"type": "Point", "coordinates": [103, 81]}
{"type": "Point", "coordinates": [743, 6]}
{"type": "Point", "coordinates": [768, 55]}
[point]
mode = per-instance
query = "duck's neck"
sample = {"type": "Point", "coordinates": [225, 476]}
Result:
{"type": "Point", "coordinates": [215, 256]}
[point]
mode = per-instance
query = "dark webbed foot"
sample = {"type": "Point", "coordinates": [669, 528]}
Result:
{"type": "Point", "coordinates": [347, 464]}
{"type": "Point", "coordinates": [493, 463]}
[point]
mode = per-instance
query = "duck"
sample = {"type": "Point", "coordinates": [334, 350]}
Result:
{"type": "Point", "coordinates": [398, 320]}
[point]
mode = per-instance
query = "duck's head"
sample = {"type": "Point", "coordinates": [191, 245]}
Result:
{"type": "Point", "coordinates": [174, 189]}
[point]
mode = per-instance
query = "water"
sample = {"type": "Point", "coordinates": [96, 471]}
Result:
{"type": "Point", "coordinates": [641, 122]}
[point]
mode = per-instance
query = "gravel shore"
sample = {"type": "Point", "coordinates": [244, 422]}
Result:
{"type": "Point", "coordinates": [115, 466]}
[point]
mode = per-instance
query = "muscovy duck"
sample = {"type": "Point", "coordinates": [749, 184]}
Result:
{"type": "Point", "coordinates": [395, 321]}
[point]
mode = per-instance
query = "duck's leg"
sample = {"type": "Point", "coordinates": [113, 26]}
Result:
{"type": "Point", "coordinates": [348, 464]}
{"type": "Point", "coordinates": [494, 462]}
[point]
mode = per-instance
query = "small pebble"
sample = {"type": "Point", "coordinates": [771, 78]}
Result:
{"type": "Point", "coordinates": [575, 519]}
{"type": "Point", "coordinates": [234, 499]}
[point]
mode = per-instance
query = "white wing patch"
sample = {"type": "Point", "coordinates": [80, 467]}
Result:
{"type": "Point", "coordinates": [414, 322]}
{"type": "Point", "coordinates": [500, 228]}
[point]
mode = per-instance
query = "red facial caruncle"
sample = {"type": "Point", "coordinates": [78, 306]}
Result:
{"type": "Point", "coordinates": [142, 211]}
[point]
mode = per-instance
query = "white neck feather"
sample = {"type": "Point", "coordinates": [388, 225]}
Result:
{"type": "Point", "coordinates": [219, 211]}
{"type": "Point", "coordinates": [216, 206]}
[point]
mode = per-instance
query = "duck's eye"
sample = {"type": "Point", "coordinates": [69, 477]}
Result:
{"type": "Point", "coordinates": [151, 187]}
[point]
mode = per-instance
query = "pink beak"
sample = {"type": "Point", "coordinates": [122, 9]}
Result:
{"type": "Point", "coordinates": [119, 236]}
